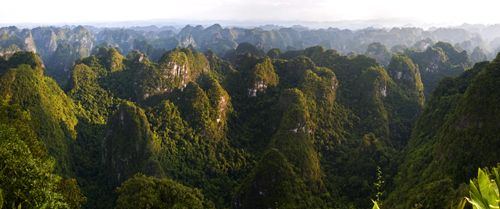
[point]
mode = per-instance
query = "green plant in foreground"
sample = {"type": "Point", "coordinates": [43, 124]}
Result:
{"type": "Point", "coordinates": [379, 183]}
{"type": "Point", "coordinates": [460, 205]}
{"type": "Point", "coordinates": [487, 195]}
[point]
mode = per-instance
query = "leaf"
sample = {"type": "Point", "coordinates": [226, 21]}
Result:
{"type": "Point", "coordinates": [1, 199]}
{"type": "Point", "coordinates": [461, 204]}
{"type": "Point", "coordinates": [495, 170]}
{"type": "Point", "coordinates": [475, 201]}
{"type": "Point", "coordinates": [488, 193]}
{"type": "Point", "coordinates": [375, 205]}
{"type": "Point", "coordinates": [475, 197]}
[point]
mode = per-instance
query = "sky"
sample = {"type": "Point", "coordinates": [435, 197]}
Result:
{"type": "Point", "coordinates": [422, 11]}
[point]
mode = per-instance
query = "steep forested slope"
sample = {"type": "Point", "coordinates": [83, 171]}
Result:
{"type": "Point", "coordinates": [454, 135]}
{"type": "Point", "coordinates": [307, 128]}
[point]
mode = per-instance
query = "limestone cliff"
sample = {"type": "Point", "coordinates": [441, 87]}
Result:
{"type": "Point", "coordinates": [175, 69]}
{"type": "Point", "coordinates": [262, 75]}
{"type": "Point", "coordinates": [438, 61]}
{"type": "Point", "coordinates": [402, 70]}
{"type": "Point", "coordinates": [60, 62]}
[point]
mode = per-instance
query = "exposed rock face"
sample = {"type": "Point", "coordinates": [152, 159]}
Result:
{"type": "Point", "coordinates": [262, 75]}
{"type": "Point", "coordinates": [188, 40]}
{"type": "Point", "coordinates": [402, 70]}
{"type": "Point", "coordinates": [379, 52]}
{"type": "Point", "coordinates": [46, 41]}
{"type": "Point", "coordinates": [28, 40]}
{"type": "Point", "coordinates": [259, 86]}
{"type": "Point", "coordinates": [117, 37]}
{"type": "Point", "coordinates": [82, 35]}
{"type": "Point", "coordinates": [438, 61]}
{"type": "Point", "coordinates": [9, 51]}
{"type": "Point", "coordinates": [220, 102]}
{"type": "Point", "coordinates": [13, 36]}
{"type": "Point", "coordinates": [61, 60]}
{"type": "Point", "coordinates": [137, 57]}
{"type": "Point", "coordinates": [471, 44]}
{"type": "Point", "coordinates": [374, 83]}
{"type": "Point", "coordinates": [176, 68]}
{"type": "Point", "coordinates": [128, 145]}
{"type": "Point", "coordinates": [422, 45]}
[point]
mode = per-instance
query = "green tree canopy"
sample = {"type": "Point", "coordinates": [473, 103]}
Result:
{"type": "Point", "coordinates": [150, 192]}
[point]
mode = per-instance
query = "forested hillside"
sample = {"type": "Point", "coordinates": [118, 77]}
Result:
{"type": "Point", "coordinates": [128, 118]}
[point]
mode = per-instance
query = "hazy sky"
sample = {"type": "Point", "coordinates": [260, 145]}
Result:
{"type": "Point", "coordinates": [429, 11]}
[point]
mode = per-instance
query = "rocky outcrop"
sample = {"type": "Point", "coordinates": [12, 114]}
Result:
{"type": "Point", "coordinates": [82, 35]}
{"type": "Point", "coordinates": [477, 41]}
{"type": "Point", "coordinates": [61, 60]}
{"type": "Point", "coordinates": [176, 68]}
{"type": "Point", "coordinates": [46, 41]}
{"type": "Point", "coordinates": [188, 40]}
{"type": "Point", "coordinates": [423, 44]}
{"type": "Point", "coordinates": [120, 37]}
{"type": "Point", "coordinates": [137, 57]}
{"type": "Point", "coordinates": [438, 61]}
{"type": "Point", "coordinates": [221, 106]}
{"type": "Point", "coordinates": [262, 75]}
{"type": "Point", "coordinates": [28, 40]}
{"type": "Point", "coordinates": [9, 51]}
{"type": "Point", "coordinates": [373, 83]}
{"type": "Point", "coordinates": [402, 70]}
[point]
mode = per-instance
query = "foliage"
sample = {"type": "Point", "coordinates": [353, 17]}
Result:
{"type": "Point", "coordinates": [423, 171]}
{"type": "Point", "coordinates": [438, 61]}
{"type": "Point", "coordinates": [312, 135]}
{"type": "Point", "coordinates": [484, 194]}
{"type": "Point", "coordinates": [26, 86]}
{"type": "Point", "coordinates": [478, 55]}
{"type": "Point", "coordinates": [60, 62]}
{"type": "Point", "coordinates": [128, 146]}
{"type": "Point", "coordinates": [26, 175]}
{"type": "Point", "coordinates": [379, 51]}
{"type": "Point", "coordinates": [150, 192]}
{"type": "Point", "coordinates": [218, 68]}
{"type": "Point", "coordinates": [287, 191]}
{"type": "Point", "coordinates": [245, 47]}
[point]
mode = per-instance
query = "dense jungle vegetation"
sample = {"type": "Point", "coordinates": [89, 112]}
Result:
{"type": "Point", "coordinates": [118, 119]}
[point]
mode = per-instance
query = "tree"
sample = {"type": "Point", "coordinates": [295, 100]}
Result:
{"type": "Point", "coordinates": [26, 174]}
{"type": "Point", "coordinates": [149, 192]}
